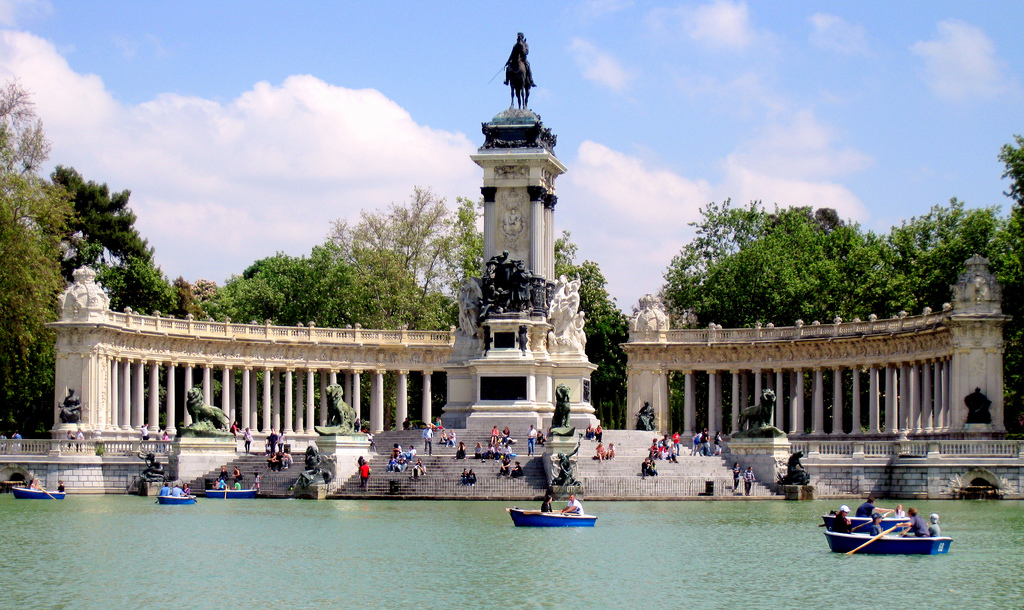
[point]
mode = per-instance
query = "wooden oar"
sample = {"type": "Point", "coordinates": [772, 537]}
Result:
{"type": "Point", "coordinates": [875, 538]}
{"type": "Point", "coordinates": [42, 489]}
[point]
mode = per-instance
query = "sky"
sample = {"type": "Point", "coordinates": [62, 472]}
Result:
{"type": "Point", "coordinates": [244, 129]}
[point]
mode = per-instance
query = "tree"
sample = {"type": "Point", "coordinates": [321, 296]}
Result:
{"type": "Point", "coordinates": [33, 219]}
{"type": "Point", "coordinates": [1011, 275]}
{"type": "Point", "coordinates": [407, 262]}
{"type": "Point", "coordinates": [102, 235]}
{"type": "Point", "coordinates": [288, 291]}
{"type": "Point", "coordinates": [606, 328]}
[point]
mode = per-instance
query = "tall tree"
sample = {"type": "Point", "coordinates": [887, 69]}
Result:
{"type": "Point", "coordinates": [33, 219]}
{"type": "Point", "coordinates": [606, 328]}
{"type": "Point", "coordinates": [1011, 275]}
{"type": "Point", "coordinates": [407, 261]}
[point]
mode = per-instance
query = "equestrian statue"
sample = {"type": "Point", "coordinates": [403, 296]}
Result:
{"type": "Point", "coordinates": [518, 74]}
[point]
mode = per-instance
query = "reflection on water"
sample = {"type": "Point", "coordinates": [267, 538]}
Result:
{"type": "Point", "coordinates": [125, 551]}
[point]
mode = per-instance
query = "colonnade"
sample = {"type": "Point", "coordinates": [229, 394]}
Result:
{"type": "Point", "coordinates": [288, 399]}
{"type": "Point", "coordinates": [907, 397]}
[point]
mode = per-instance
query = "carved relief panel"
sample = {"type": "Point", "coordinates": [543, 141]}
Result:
{"type": "Point", "coordinates": [513, 223]}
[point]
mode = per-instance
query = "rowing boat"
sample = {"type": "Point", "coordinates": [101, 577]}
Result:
{"type": "Point", "coordinates": [535, 518]}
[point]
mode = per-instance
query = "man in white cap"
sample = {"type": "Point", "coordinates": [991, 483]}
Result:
{"type": "Point", "coordinates": [933, 529]}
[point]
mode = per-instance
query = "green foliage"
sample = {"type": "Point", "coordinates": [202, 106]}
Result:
{"type": "Point", "coordinates": [408, 261]}
{"type": "Point", "coordinates": [289, 291]}
{"type": "Point", "coordinates": [137, 284]}
{"type": "Point", "coordinates": [606, 328]}
{"type": "Point", "coordinates": [33, 219]}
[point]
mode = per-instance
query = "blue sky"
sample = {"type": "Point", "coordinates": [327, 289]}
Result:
{"type": "Point", "coordinates": [244, 129]}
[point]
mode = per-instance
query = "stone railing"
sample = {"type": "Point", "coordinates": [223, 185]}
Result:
{"type": "Point", "coordinates": [57, 447]}
{"type": "Point", "coordinates": [219, 330]}
{"type": "Point", "coordinates": [910, 448]}
{"type": "Point", "coordinates": [801, 331]}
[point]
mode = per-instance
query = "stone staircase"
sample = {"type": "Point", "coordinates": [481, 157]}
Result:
{"type": "Point", "coordinates": [272, 484]}
{"type": "Point", "coordinates": [619, 478]}
{"type": "Point", "coordinates": [443, 472]}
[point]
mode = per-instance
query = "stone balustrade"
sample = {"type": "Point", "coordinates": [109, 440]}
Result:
{"type": "Point", "coordinates": [858, 449]}
{"type": "Point", "coordinates": [57, 447]}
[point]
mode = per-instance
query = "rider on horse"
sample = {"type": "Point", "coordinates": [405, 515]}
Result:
{"type": "Point", "coordinates": [519, 53]}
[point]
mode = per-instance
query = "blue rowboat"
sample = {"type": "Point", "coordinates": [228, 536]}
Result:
{"type": "Point", "coordinates": [888, 545]}
{"type": "Point", "coordinates": [535, 518]}
{"type": "Point", "coordinates": [231, 494]}
{"type": "Point", "coordinates": [861, 525]}
{"type": "Point", "coordinates": [176, 499]}
{"type": "Point", "coordinates": [24, 493]}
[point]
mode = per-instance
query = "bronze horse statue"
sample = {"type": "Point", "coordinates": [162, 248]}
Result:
{"type": "Point", "coordinates": [519, 83]}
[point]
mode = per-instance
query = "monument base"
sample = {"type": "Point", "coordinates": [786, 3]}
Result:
{"type": "Point", "coordinates": [194, 456]}
{"type": "Point", "coordinates": [149, 489]}
{"type": "Point", "coordinates": [313, 492]}
{"type": "Point", "coordinates": [765, 455]}
{"type": "Point", "coordinates": [799, 492]}
{"type": "Point", "coordinates": [346, 450]}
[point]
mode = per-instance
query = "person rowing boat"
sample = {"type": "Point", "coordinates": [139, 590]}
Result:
{"type": "Point", "coordinates": [868, 508]}
{"type": "Point", "coordinates": [573, 507]}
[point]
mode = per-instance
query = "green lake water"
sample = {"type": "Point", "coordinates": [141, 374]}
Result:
{"type": "Point", "coordinates": [128, 552]}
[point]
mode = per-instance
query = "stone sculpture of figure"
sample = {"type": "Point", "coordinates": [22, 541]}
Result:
{"type": "Point", "coordinates": [524, 339]}
{"type": "Point", "coordinates": [977, 408]}
{"type": "Point", "coordinates": [645, 419]}
{"type": "Point", "coordinates": [567, 322]}
{"type": "Point", "coordinates": [518, 74]}
{"type": "Point", "coordinates": [760, 415]}
{"type": "Point", "coordinates": [71, 408]}
{"type": "Point", "coordinates": [206, 420]}
{"type": "Point", "coordinates": [341, 418]}
{"type": "Point", "coordinates": [314, 473]}
{"type": "Point", "coordinates": [795, 473]}
{"type": "Point", "coordinates": [560, 418]}
{"type": "Point", "coordinates": [506, 286]}
{"type": "Point", "coordinates": [154, 472]}
{"type": "Point", "coordinates": [564, 463]}
{"type": "Point", "coordinates": [650, 315]}
{"type": "Point", "coordinates": [470, 297]}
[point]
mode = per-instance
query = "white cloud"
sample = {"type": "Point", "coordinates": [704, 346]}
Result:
{"type": "Point", "coordinates": [599, 66]}
{"type": "Point", "coordinates": [961, 63]}
{"type": "Point", "coordinates": [832, 33]}
{"type": "Point", "coordinates": [721, 25]}
{"type": "Point", "coordinates": [625, 205]}
{"type": "Point", "coordinates": [13, 11]}
{"type": "Point", "coordinates": [219, 185]}
{"type": "Point", "coordinates": [594, 9]}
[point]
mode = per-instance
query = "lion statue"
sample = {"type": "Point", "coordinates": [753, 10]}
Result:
{"type": "Point", "coordinates": [756, 421]}
{"type": "Point", "coordinates": [206, 420]}
{"type": "Point", "coordinates": [341, 418]}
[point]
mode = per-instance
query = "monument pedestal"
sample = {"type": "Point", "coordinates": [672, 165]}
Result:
{"type": "Point", "coordinates": [313, 492]}
{"type": "Point", "coordinates": [552, 447]}
{"type": "Point", "coordinates": [346, 450]}
{"type": "Point", "coordinates": [194, 456]}
{"type": "Point", "coordinates": [798, 492]}
{"type": "Point", "coordinates": [150, 489]}
{"type": "Point", "coordinates": [765, 455]}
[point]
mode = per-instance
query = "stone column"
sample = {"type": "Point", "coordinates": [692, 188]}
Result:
{"type": "Point", "coordinates": [937, 414]}
{"type": "Point", "coordinates": [115, 394]}
{"type": "Point", "coordinates": [288, 405]}
{"type": "Point", "coordinates": [780, 402]}
{"type": "Point", "coordinates": [323, 398]}
{"type": "Point", "coordinates": [490, 218]}
{"type": "Point", "coordinates": [744, 390]}
{"type": "Point", "coordinates": [426, 396]}
{"type": "Point", "coordinates": [712, 383]}
{"type": "Point", "coordinates": [757, 387]}
{"type": "Point", "coordinates": [904, 398]}
{"type": "Point", "coordinates": [735, 401]}
{"type": "Point", "coordinates": [356, 398]}
{"type": "Point", "coordinates": [800, 422]}
{"type": "Point", "coordinates": [275, 416]}
{"type": "Point", "coordinates": [244, 407]}
{"type": "Point", "coordinates": [153, 417]}
{"type": "Point", "coordinates": [794, 389]}
{"type": "Point", "coordinates": [915, 398]}
{"type": "Point", "coordinates": [401, 399]}
{"type": "Point", "coordinates": [926, 397]}
{"type": "Point", "coordinates": [818, 406]}
{"type": "Point", "coordinates": [254, 398]}
{"type": "Point", "coordinates": [310, 401]}
{"type": "Point", "coordinates": [874, 411]}
{"type": "Point", "coordinates": [537, 258]}
{"type": "Point", "coordinates": [226, 381]}
{"type": "Point", "coordinates": [946, 408]}
{"type": "Point", "coordinates": [172, 416]}
{"type": "Point", "coordinates": [855, 406]}
{"type": "Point", "coordinates": [837, 401]}
{"type": "Point", "coordinates": [334, 379]}
{"type": "Point", "coordinates": [689, 406]}
{"type": "Point", "coordinates": [348, 391]}
{"type": "Point", "coordinates": [186, 417]}
{"type": "Point", "coordinates": [891, 421]}
{"type": "Point", "coordinates": [377, 402]}
{"type": "Point", "coordinates": [126, 395]}
{"type": "Point", "coordinates": [138, 415]}
{"type": "Point", "coordinates": [208, 385]}
{"type": "Point", "coordinates": [300, 402]}
{"type": "Point", "coordinates": [267, 399]}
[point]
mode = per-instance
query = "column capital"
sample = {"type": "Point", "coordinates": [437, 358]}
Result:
{"type": "Point", "coordinates": [402, 371]}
